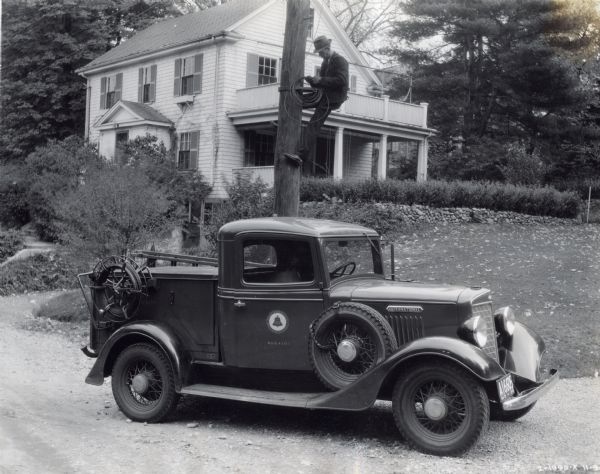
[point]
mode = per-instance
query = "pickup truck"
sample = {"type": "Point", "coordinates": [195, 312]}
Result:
{"type": "Point", "coordinates": [298, 312]}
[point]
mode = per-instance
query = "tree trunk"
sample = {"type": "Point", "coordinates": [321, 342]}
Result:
{"type": "Point", "coordinates": [287, 172]}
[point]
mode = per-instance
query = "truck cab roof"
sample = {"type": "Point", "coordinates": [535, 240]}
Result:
{"type": "Point", "coordinates": [294, 226]}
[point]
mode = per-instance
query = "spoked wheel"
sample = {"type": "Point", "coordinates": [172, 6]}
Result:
{"type": "Point", "coordinates": [440, 409]}
{"type": "Point", "coordinates": [347, 341]}
{"type": "Point", "coordinates": [143, 383]}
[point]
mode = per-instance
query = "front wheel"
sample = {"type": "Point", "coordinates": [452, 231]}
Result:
{"type": "Point", "coordinates": [439, 408]}
{"type": "Point", "coordinates": [143, 383]}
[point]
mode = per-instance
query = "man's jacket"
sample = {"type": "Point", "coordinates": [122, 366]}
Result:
{"type": "Point", "coordinates": [334, 79]}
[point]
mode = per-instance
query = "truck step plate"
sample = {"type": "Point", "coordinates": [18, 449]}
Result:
{"type": "Point", "coordinates": [248, 395]}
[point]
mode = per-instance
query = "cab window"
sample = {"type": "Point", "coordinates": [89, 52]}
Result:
{"type": "Point", "coordinates": [277, 261]}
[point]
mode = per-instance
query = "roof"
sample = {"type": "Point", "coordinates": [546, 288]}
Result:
{"type": "Point", "coordinates": [179, 31]}
{"type": "Point", "coordinates": [145, 112]}
{"type": "Point", "coordinates": [294, 226]}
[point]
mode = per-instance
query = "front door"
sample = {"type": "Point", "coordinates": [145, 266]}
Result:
{"type": "Point", "coordinates": [265, 319]}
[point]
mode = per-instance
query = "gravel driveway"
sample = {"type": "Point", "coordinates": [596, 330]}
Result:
{"type": "Point", "coordinates": [51, 421]}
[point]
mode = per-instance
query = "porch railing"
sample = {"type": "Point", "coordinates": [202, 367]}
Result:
{"type": "Point", "coordinates": [357, 105]}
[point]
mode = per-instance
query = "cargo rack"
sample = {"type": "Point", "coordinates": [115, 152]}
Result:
{"type": "Point", "coordinates": [152, 257]}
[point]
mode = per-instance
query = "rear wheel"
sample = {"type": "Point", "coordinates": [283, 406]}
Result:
{"type": "Point", "coordinates": [348, 340]}
{"type": "Point", "coordinates": [439, 408]}
{"type": "Point", "coordinates": [143, 383]}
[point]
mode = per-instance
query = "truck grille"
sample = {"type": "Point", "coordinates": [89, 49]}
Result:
{"type": "Point", "coordinates": [484, 310]}
{"type": "Point", "coordinates": [406, 328]}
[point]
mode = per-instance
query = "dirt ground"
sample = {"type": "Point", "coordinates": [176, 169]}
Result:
{"type": "Point", "coordinates": [52, 422]}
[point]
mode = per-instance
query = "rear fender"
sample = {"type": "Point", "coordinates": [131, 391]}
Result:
{"type": "Point", "coordinates": [140, 331]}
{"type": "Point", "coordinates": [363, 393]}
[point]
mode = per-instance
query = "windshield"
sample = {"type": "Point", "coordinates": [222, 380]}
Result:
{"type": "Point", "coordinates": [352, 256]}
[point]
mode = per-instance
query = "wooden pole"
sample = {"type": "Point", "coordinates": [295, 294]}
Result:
{"type": "Point", "coordinates": [287, 171]}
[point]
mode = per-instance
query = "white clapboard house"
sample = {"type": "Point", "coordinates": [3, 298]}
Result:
{"type": "Point", "coordinates": [206, 84]}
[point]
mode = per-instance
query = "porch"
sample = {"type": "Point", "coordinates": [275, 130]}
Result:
{"type": "Point", "coordinates": [355, 141]}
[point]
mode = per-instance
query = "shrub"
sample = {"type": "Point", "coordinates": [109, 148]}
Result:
{"type": "Point", "coordinates": [521, 167]}
{"type": "Point", "coordinates": [53, 170]}
{"type": "Point", "coordinates": [117, 209]}
{"type": "Point", "coordinates": [534, 200]}
{"type": "Point", "coordinates": [42, 272]}
{"type": "Point", "coordinates": [67, 306]}
{"type": "Point", "coordinates": [10, 243]}
{"type": "Point", "coordinates": [14, 208]}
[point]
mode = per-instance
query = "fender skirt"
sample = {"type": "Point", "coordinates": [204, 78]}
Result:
{"type": "Point", "coordinates": [362, 394]}
{"type": "Point", "coordinates": [141, 331]}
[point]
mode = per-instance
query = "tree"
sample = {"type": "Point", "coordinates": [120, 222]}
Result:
{"type": "Point", "coordinates": [42, 97]}
{"type": "Point", "coordinates": [365, 21]}
{"type": "Point", "coordinates": [43, 44]}
{"type": "Point", "coordinates": [492, 68]}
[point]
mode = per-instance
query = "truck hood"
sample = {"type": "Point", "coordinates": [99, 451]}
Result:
{"type": "Point", "coordinates": [375, 289]}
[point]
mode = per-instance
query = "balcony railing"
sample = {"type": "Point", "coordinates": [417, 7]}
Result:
{"type": "Point", "coordinates": [251, 173]}
{"type": "Point", "coordinates": [357, 105]}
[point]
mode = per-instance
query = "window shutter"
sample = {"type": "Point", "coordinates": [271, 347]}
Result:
{"type": "Point", "coordinates": [103, 93]}
{"type": "Point", "coordinates": [252, 70]}
{"type": "Point", "coordinates": [353, 83]}
{"type": "Point", "coordinates": [177, 88]}
{"type": "Point", "coordinates": [141, 85]}
{"type": "Point", "coordinates": [153, 83]}
{"type": "Point", "coordinates": [198, 60]}
{"type": "Point", "coordinates": [279, 69]}
{"type": "Point", "coordinates": [118, 87]}
{"type": "Point", "coordinates": [194, 147]}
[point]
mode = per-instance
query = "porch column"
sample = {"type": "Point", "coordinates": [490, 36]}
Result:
{"type": "Point", "coordinates": [422, 160]}
{"type": "Point", "coordinates": [338, 154]}
{"type": "Point", "coordinates": [382, 161]}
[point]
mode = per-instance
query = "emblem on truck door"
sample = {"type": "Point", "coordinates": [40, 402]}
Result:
{"type": "Point", "coordinates": [277, 322]}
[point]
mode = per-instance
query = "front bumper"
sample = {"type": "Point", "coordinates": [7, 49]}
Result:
{"type": "Point", "coordinates": [530, 395]}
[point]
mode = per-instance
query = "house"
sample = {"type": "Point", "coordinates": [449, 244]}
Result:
{"type": "Point", "coordinates": [206, 84]}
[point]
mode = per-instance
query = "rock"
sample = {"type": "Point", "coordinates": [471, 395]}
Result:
{"type": "Point", "coordinates": [192, 425]}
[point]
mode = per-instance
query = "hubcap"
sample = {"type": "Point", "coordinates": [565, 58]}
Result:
{"type": "Point", "coordinates": [140, 383]}
{"type": "Point", "coordinates": [347, 350]}
{"type": "Point", "coordinates": [435, 408]}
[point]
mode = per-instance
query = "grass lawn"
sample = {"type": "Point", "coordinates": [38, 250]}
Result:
{"type": "Point", "coordinates": [550, 275]}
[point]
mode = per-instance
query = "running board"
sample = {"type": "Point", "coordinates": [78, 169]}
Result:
{"type": "Point", "coordinates": [286, 399]}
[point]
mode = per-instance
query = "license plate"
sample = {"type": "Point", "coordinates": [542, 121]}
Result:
{"type": "Point", "coordinates": [505, 387]}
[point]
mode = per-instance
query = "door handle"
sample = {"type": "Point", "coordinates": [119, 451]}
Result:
{"type": "Point", "coordinates": [239, 304]}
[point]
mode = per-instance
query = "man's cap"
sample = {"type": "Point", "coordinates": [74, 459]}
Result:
{"type": "Point", "coordinates": [321, 42]}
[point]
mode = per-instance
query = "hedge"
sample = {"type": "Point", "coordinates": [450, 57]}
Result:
{"type": "Point", "coordinates": [532, 200]}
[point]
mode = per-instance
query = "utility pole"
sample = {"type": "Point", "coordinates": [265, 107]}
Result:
{"type": "Point", "coordinates": [288, 171]}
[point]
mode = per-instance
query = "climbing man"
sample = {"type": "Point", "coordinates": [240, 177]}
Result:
{"type": "Point", "coordinates": [333, 81]}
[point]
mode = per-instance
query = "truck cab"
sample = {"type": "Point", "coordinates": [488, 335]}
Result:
{"type": "Point", "coordinates": [298, 312]}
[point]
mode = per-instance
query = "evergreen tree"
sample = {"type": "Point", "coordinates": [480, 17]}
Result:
{"type": "Point", "coordinates": [494, 68]}
{"type": "Point", "coordinates": [43, 43]}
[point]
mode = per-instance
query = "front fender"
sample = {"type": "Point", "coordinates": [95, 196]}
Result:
{"type": "Point", "coordinates": [363, 393]}
{"type": "Point", "coordinates": [140, 331]}
{"type": "Point", "coordinates": [522, 353]}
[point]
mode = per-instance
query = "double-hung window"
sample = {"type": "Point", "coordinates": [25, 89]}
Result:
{"type": "Point", "coordinates": [110, 90]}
{"type": "Point", "coordinates": [147, 84]}
{"type": "Point", "coordinates": [188, 75]}
{"type": "Point", "coordinates": [261, 70]}
{"type": "Point", "coordinates": [187, 157]}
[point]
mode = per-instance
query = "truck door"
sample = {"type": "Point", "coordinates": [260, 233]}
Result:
{"type": "Point", "coordinates": [265, 318]}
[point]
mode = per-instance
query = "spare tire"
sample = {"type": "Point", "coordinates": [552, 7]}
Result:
{"type": "Point", "coordinates": [346, 341]}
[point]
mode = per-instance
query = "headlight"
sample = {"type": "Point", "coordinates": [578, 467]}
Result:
{"type": "Point", "coordinates": [504, 319]}
{"type": "Point", "coordinates": [474, 330]}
